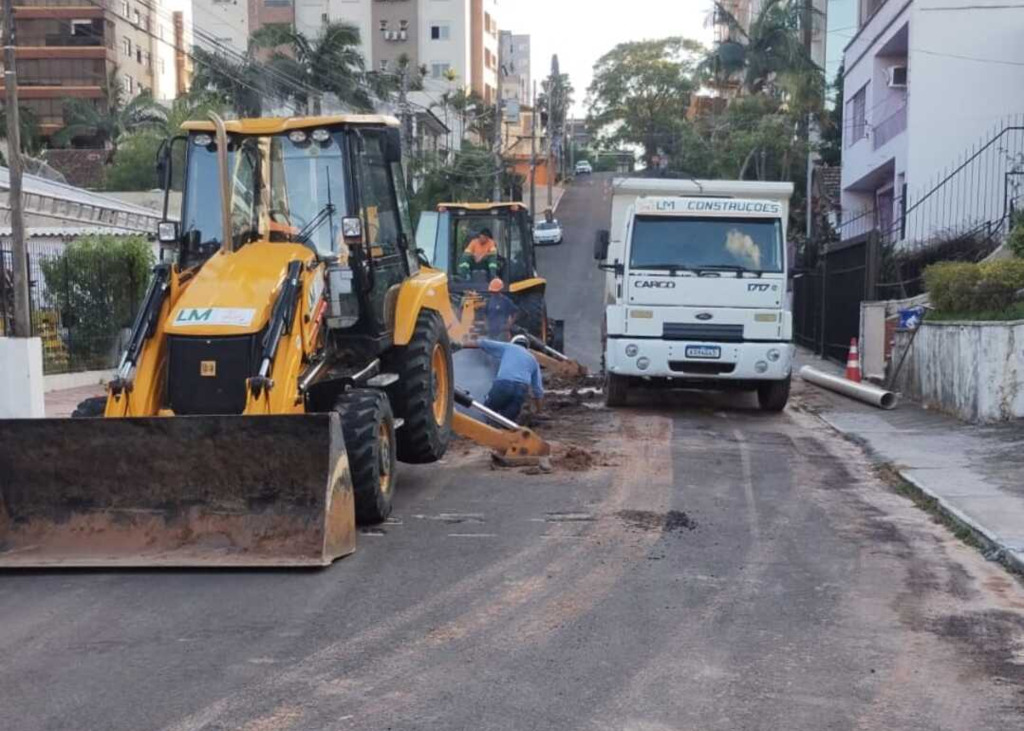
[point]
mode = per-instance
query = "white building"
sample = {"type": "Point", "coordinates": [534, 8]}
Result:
{"type": "Point", "coordinates": [221, 24]}
{"type": "Point", "coordinates": [926, 82]}
{"type": "Point", "coordinates": [514, 57]}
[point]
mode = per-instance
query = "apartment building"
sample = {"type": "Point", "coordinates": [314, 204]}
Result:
{"type": "Point", "coordinates": [925, 82]}
{"type": "Point", "coordinates": [283, 12]}
{"type": "Point", "coordinates": [69, 49]}
{"type": "Point", "coordinates": [221, 24]}
{"type": "Point", "coordinates": [514, 57]}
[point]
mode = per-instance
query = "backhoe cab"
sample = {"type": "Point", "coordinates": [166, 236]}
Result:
{"type": "Point", "coordinates": [485, 249]}
{"type": "Point", "coordinates": [290, 353]}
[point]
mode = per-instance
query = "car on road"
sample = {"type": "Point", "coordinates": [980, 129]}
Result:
{"type": "Point", "coordinates": [583, 167]}
{"type": "Point", "coordinates": [547, 233]}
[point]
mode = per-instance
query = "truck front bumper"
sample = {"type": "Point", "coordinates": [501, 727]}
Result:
{"type": "Point", "coordinates": [652, 358]}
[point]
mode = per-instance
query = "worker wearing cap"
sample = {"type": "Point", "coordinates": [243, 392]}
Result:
{"type": "Point", "coordinates": [500, 311]}
{"type": "Point", "coordinates": [518, 375]}
{"type": "Point", "coordinates": [481, 253]}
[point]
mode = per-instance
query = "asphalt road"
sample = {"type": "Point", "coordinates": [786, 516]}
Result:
{"type": "Point", "coordinates": [714, 568]}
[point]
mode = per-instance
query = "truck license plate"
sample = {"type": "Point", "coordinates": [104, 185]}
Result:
{"type": "Point", "coordinates": [705, 352]}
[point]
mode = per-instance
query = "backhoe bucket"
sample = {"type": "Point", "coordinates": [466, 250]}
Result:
{"type": "Point", "coordinates": [216, 491]}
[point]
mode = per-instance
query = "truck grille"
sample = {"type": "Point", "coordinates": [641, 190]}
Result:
{"type": "Point", "coordinates": [207, 375]}
{"type": "Point", "coordinates": [701, 369]}
{"type": "Point", "coordinates": [703, 333]}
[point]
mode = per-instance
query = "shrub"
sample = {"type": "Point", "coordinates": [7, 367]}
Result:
{"type": "Point", "coordinates": [972, 288]}
{"type": "Point", "coordinates": [1015, 241]}
{"type": "Point", "coordinates": [96, 284]}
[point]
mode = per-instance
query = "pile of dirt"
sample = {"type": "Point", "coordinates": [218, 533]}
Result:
{"type": "Point", "coordinates": [575, 459]}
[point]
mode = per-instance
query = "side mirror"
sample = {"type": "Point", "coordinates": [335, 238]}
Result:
{"type": "Point", "coordinates": [601, 245]}
{"type": "Point", "coordinates": [392, 145]}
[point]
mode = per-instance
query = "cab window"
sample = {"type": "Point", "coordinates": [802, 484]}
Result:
{"type": "Point", "coordinates": [379, 205]}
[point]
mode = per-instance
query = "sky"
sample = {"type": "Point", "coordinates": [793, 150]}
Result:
{"type": "Point", "coordinates": [581, 31]}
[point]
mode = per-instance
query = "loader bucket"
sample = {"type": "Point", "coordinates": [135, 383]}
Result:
{"type": "Point", "coordinates": [216, 491]}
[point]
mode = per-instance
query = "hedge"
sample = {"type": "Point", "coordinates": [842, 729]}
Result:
{"type": "Point", "coordinates": [964, 287]}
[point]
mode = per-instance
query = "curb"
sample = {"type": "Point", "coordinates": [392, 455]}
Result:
{"type": "Point", "coordinates": [998, 549]}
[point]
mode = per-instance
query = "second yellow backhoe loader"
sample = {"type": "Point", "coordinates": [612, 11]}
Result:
{"type": "Point", "coordinates": [288, 356]}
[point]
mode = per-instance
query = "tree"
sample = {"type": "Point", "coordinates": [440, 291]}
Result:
{"type": "Point", "coordinates": [772, 48]}
{"type": "Point", "coordinates": [31, 134]}
{"type": "Point", "coordinates": [640, 91]}
{"type": "Point", "coordinates": [134, 166]}
{"type": "Point", "coordinates": [831, 149]}
{"type": "Point", "coordinates": [97, 284]}
{"type": "Point", "coordinates": [554, 104]}
{"type": "Point", "coordinates": [240, 84]}
{"type": "Point", "coordinates": [110, 122]}
{"type": "Point", "coordinates": [469, 177]}
{"type": "Point", "coordinates": [330, 63]}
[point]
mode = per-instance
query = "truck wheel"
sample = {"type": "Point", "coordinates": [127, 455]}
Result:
{"type": "Point", "coordinates": [90, 408]}
{"type": "Point", "coordinates": [773, 395]}
{"type": "Point", "coordinates": [616, 388]}
{"type": "Point", "coordinates": [424, 394]}
{"type": "Point", "coordinates": [369, 430]}
{"type": "Point", "coordinates": [533, 315]}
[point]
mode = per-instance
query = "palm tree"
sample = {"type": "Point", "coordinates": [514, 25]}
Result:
{"type": "Point", "coordinates": [240, 84]}
{"type": "Point", "coordinates": [110, 123]}
{"type": "Point", "coordinates": [770, 49]}
{"type": "Point", "coordinates": [330, 63]}
{"type": "Point", "coordinates": [31, 134]}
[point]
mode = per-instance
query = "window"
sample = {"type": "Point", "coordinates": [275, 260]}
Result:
{"type": "Point", "coordinates": [440, 32]}
{"type": "Point", "coordinates": [136, 18]}
{"type": "Point", "coordinates": [162, 65]}
{"type": "Point", "coordinates": [128, 84]}
{"type": "Point", "coordinates": [138, 55]}
{"type": "Point", "coordinates": [147, 59]}
{"type": "Point", "coordinates": [277, 3]}
{"type": "Point", "coordinates": [403, 25]}
{"type": "Point", "coordinates": [124, 9]}
{"type": "Point", "coordinates": [383, 25]}
{"type": "Point", "coordinates": [380, 210]}
{"type": "Point", "coordinates": [384, 64]}
{"type": "Point", "coordinates": [439, 70]}
{"type": "Point", "coordinates": [81, 28]}
{"type": "Point", "coordinates": [661, 243]}
{"type": "Point", "coordinates": [126, 46]}
{"type": "Point", "coordinates": [325, 18]}
{"type": "Point", "coordinates": [857, 109]}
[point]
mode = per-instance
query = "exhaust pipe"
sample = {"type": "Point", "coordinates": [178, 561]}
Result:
{"type": "Point", "coordinates": [227, 241]}
{"type": "Point", "coordinates": [861, 391]}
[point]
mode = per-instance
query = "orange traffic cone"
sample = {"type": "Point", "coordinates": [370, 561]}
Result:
{"type": "Point", "coordinates": [853, 363]}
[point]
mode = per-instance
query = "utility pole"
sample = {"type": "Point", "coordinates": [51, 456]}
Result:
{"type": "Point", "coordinates": [533, 152]}
{"type": "Point", "coordinates": [22, 320]}
{"type": "Point", "coordinates": [496, 136]}
{"type": "Point", "coordinates": [808, 23]}
{"type": "Point", "coordinates": [403, 107]}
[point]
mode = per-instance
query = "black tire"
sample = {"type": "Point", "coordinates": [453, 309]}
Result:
{"type": "Point", "coordinates": [773, 395]}
{"type": "Point", "coordinates": [90, 408]}
{"type": "Point", "coordinates": [616, 390]}
{"type": "Point", "coordinates": [422, 398]}
{"type": "Point", "coordinates": [369, 429]}
{"type": "Point", "coordinates": [533, 314]}
{"type": "Point", "coordinates": [557, 335]}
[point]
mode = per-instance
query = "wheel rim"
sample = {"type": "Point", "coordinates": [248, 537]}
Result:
{"type": "Point", "coordinates": [384, 457]}
{"type": "Point", "coordinates": [440, 383]}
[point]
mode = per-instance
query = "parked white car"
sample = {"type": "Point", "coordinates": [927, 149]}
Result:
{"type": "Point", "coordinates": [583, 167]}
{"type": "Point", "coordinates": [547, 233]}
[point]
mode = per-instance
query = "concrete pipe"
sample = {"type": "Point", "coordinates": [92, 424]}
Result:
{"type": "Point", "coordinates": [861, 391]}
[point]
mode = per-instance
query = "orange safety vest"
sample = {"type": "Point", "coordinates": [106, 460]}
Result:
{"type": "Point", "coordinates": [480, 248]}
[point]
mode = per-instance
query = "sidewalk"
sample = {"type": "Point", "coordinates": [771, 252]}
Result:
{"type": "Point", "coordinates": [974, 473]}
{"type": "Point", "coordinates": [60, 404]}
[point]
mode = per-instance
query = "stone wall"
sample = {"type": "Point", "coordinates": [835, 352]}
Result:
{"type": "Point", "coordinates": [973, 370]}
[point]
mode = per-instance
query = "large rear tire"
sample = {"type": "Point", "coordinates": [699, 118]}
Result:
{"type": "Point", "coordinates": [533, 314]}
{"type": "Point", "coordinates": [424, 394]}
{"type": "Point", "coordinates": [369, 429]}
{"type": "Point", "coordinates": [616, 390]}
{"type": "Point", "coordinates": [90, 408]}
{"type": "Point", "coordinates": [773, 395]}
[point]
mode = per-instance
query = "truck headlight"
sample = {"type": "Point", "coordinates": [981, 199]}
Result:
{"type": "Point", "coordinates": [643, 363]}
{"type": "Point", "coordinates": [761, 366]}
{"type": "Point", "coordinates": [632, 350]}
{"type": "Point", "coordinates": [774, 354]}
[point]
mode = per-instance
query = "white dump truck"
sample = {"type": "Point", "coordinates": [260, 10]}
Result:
{"type": "Point", "coordinates": [696, 293]}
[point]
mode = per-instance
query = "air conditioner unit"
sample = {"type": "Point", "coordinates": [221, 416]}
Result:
{"type": "Point", "coordinates": [897, 77]}
{"type": "Point", "coordinates": [403, 35]}
{"type": "Point", "coordinates": [389, 35]}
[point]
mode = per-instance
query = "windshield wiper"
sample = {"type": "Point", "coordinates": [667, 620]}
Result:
{"type": "Point", "coordinates": [672, 268]}
{"type": "Point", "coordinates": [722, 268]}
{"type": "Point", "coordinates": [326, 214]}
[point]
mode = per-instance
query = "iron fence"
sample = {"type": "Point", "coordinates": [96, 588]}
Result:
{"type": "Point", "coordinates": [81, 309]}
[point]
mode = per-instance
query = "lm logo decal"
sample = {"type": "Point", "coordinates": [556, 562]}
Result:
{"type": "Point", "coordinates": [229, 316]}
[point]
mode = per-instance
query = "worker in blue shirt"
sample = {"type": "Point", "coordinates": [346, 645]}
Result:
{"type": "Point", "coordinates": [518, 375]}
{"type": "Point", "coordinates": [500, 310]}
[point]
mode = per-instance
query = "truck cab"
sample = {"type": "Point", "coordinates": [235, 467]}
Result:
{"type": "Point", "coordinates": [698, 298]}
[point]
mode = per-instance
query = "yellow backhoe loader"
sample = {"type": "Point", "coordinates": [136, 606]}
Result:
{"type": "Point", "coordinates": [288, 355]}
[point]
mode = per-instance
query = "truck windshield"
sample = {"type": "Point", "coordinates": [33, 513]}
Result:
{"type": "Point", "coordinates": [742, 244]}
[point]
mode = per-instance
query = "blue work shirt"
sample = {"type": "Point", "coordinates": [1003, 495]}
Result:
{"type": "Point", "coordinates": [517, 364]}
{"type": "Point", "coordinates": [500, 309]}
